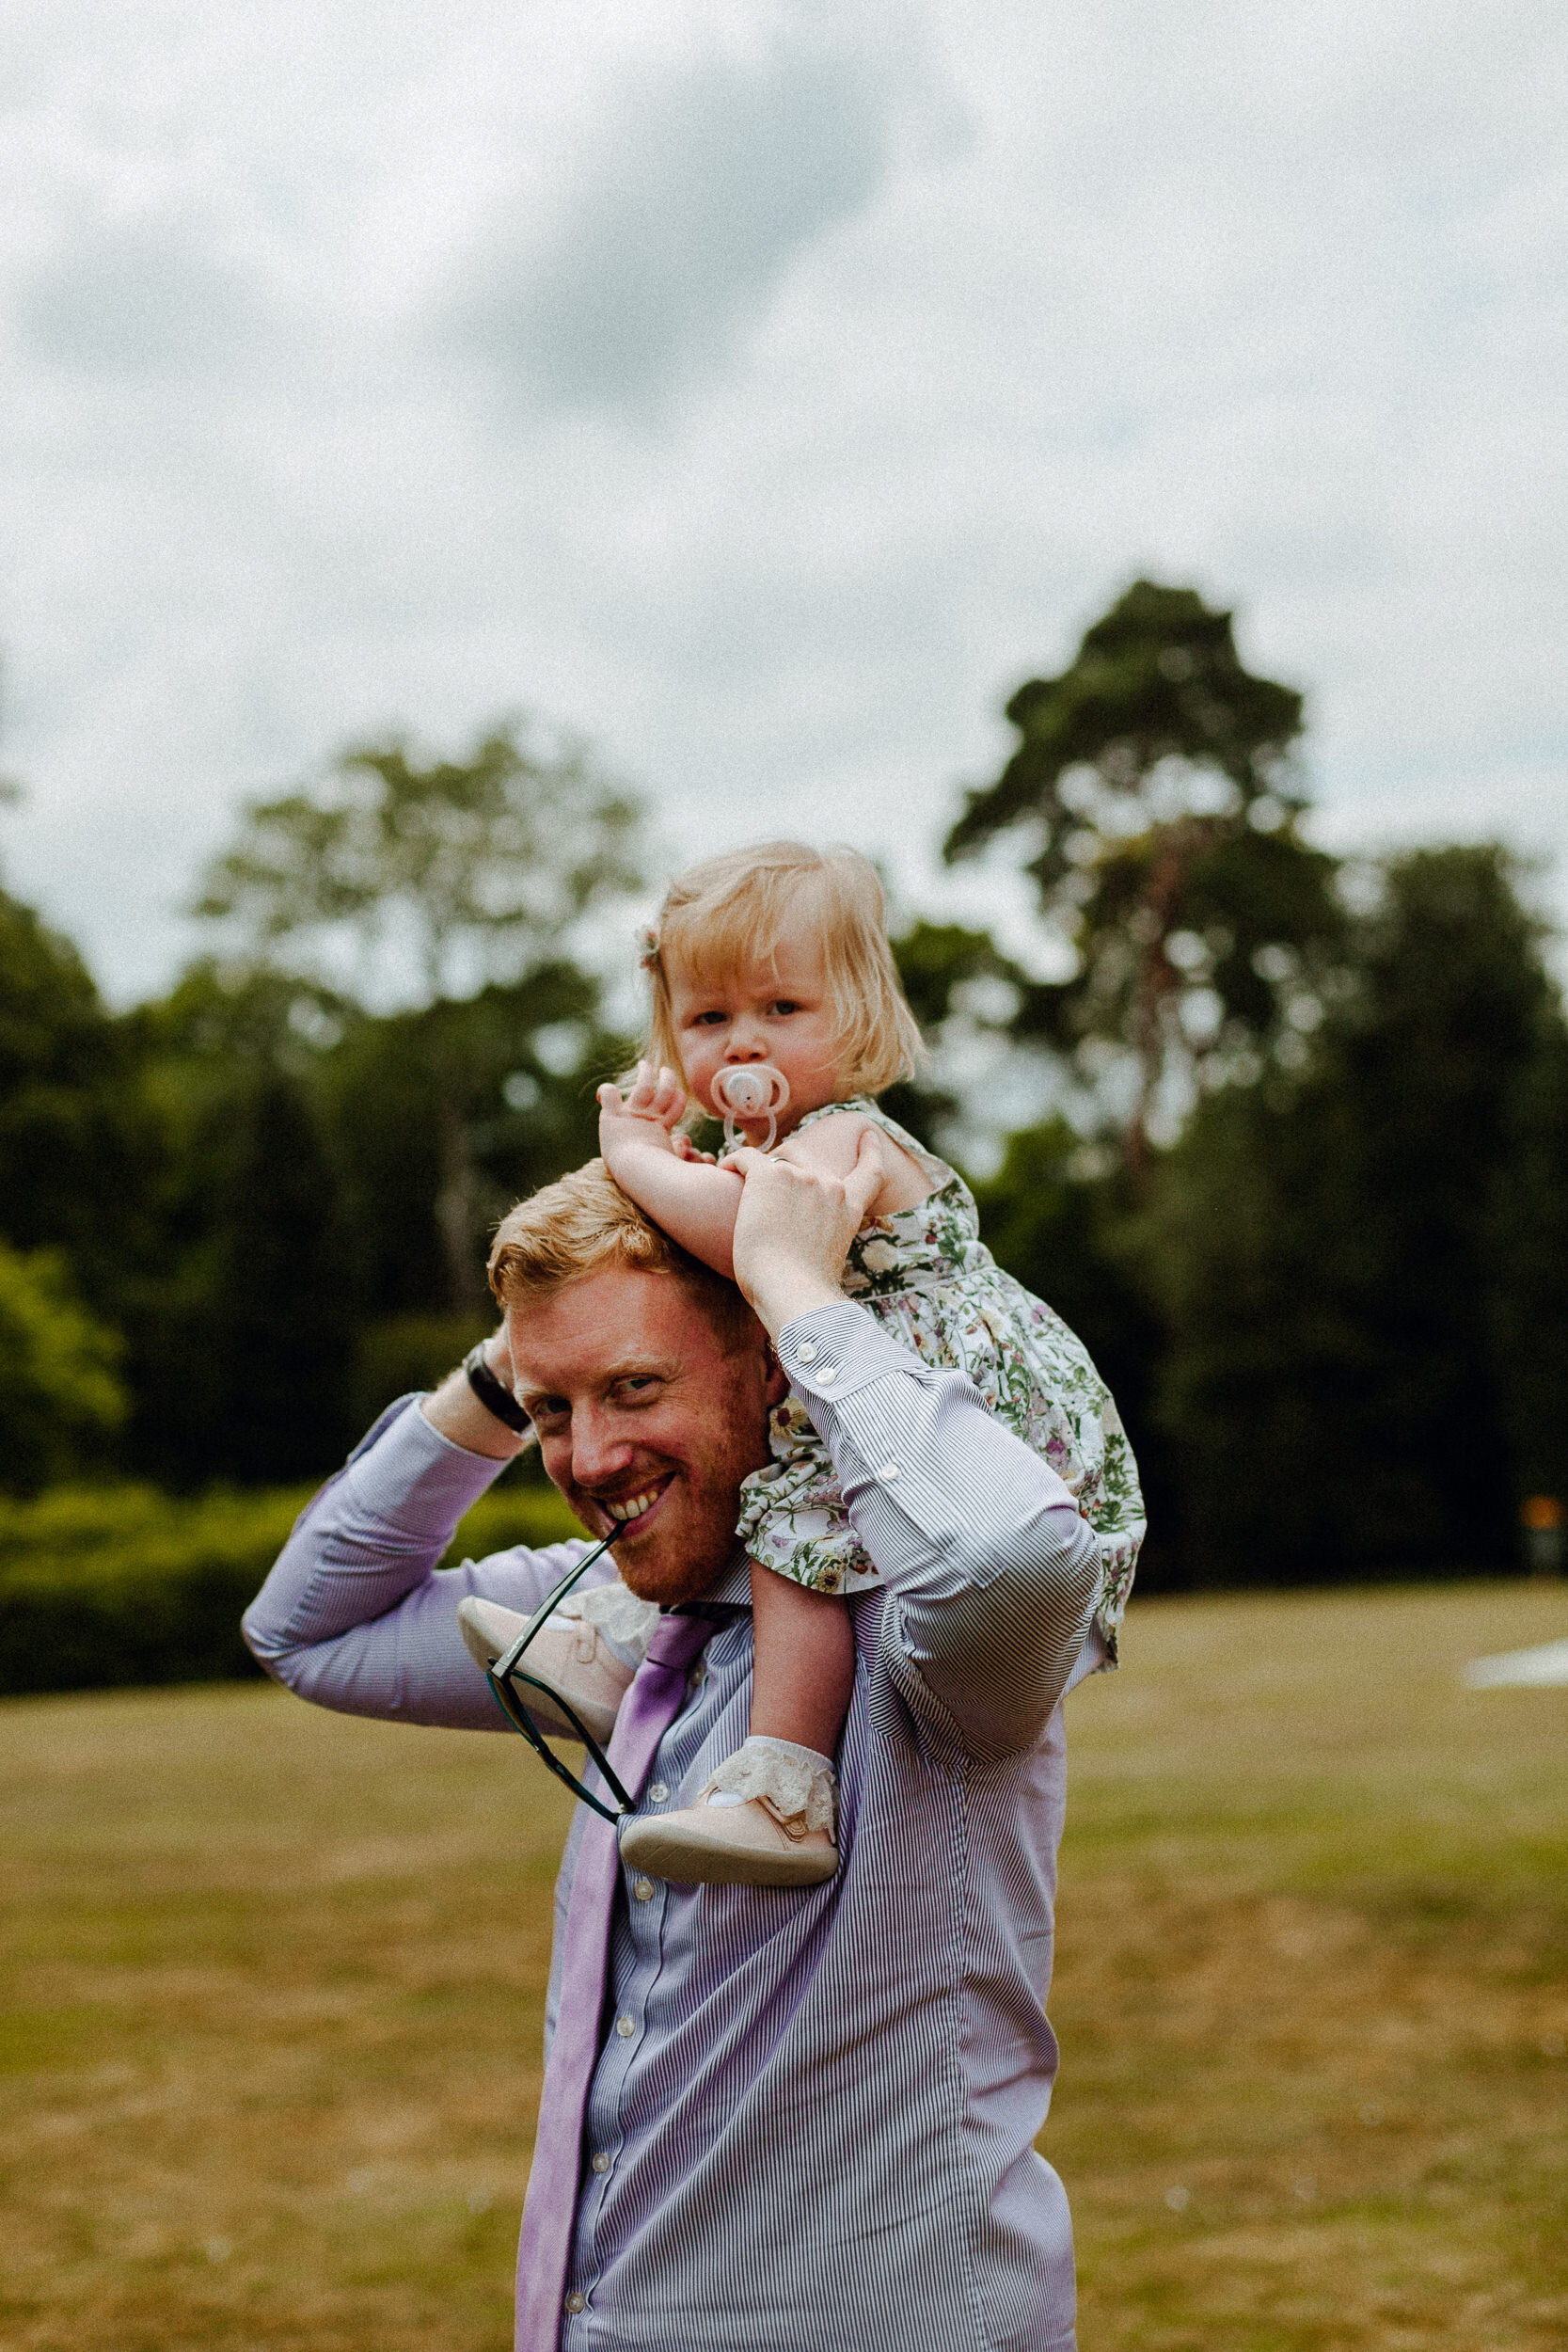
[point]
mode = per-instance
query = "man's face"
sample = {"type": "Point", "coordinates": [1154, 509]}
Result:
{"type": "Point", "coordinates": [644, 1423]}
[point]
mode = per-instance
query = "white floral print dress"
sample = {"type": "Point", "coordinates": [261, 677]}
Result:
{"type": "Point", "coordinates": [930, 1279]}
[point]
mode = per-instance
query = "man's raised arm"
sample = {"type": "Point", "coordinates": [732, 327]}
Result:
{"type": "Point", "coordinates": [355, 1615]}
{"type": "Point", "coordinates": [993, 1574]}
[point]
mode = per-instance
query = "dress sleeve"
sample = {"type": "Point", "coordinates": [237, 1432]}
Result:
{"type": "Point", "coordinates": [995, 1576]}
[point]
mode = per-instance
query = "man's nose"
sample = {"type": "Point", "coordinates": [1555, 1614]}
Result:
{"type": "Point", "coordinates": [599, 1455]}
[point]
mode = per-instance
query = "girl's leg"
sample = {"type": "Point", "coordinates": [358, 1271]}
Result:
{"type": "Point", "coordinates": [766, 1816]}
{"type": "Point", "coordinates": [804, 1671]}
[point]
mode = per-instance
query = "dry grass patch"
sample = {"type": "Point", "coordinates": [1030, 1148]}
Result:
{"type": "Point", "coordinates": [1313, 1983]}
{"type": "Point", "coordinates": [269, 2062]}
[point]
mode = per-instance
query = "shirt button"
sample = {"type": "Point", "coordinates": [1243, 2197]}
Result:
{"type": "Point", "coordinates": [576, 2302]}
{"type": "Point", "coordinates": [827, 1374]}
{"type": "Point", "coordinates": [807, 1351]}
{"type": "Point", "coordinates": [889, 1470]}
{"type": "Point", "coordinates": [601, 2162]}
{"type": "Point", "coordinates": [625, 2028]}
{"type": "Point", "coordinates": [657, 1792]}
{"type": "Point", "coordinates": [643, 1890]}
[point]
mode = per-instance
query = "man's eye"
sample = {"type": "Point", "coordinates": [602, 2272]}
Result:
{"type": "Point", "coordinates": [637, 1386]}
{"type": "Point", "coordinates": [549, 1408]}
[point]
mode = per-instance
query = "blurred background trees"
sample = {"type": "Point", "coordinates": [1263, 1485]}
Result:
{"type": "Point", "coordinates": [1301, 1182]}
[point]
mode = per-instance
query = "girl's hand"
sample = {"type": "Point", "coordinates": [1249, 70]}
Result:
{"type": "Point", "coordinates": [647, 1115]}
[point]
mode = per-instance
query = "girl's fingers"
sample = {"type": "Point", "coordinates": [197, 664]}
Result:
{"type": "Point", "coordinates": [609, 1097]}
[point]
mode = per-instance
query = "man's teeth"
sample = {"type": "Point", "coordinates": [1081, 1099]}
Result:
{"type": "Point", "coordinates": [635, 1506]}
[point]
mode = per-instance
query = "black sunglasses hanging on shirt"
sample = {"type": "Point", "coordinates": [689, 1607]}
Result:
{"type": "Point", "coordinates": [505, 1670]}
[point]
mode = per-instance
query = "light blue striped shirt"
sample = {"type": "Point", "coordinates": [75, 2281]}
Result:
{"type": "Point", "coordinates": [811, 2125]}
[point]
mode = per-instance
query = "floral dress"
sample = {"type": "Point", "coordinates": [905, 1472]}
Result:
{"type": "Point", "coordinates": [931, 1282]}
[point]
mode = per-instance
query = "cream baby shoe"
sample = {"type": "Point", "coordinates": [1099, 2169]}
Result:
{"type": "Point", "coordinates": [766, 1819]}
{"type": "Point", "coordinates": [588, 1650]}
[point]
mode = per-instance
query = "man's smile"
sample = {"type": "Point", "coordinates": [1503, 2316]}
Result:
{"type": "Point", "coordinates": [629, 1513]}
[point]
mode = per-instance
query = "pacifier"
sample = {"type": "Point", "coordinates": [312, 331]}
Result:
{"type": "Point", "coordinates": [750, 1091]}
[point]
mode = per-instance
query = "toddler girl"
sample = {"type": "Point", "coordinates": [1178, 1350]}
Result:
{"type": "Point", "coordinates": [777, 1007]}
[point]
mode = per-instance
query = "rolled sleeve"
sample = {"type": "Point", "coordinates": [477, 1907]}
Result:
{"type": "Point", "coordinates": [994, 1575]}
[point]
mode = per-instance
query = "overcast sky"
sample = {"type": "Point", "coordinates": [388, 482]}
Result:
{"type": "Point", "coordinates": [765, 391]}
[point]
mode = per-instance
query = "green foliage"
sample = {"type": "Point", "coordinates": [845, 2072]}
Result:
{"type": "Point", "coordinates": [961, 987]}
{"type": "Point", "coordinates": [123, 1585]}
{"type": "Point", "coordinates": [1064, 1225]}
{"type": "Point", "coordinates": [1151, 792]}
{"type": "Point", "coordinates": [443, 1117]}
{"type": "Point", "coordinates": [72, 1147]}
{"type": "Point", "coordinates": [1328, 1257]}
{"type": "Point", "coordinates": [60, 1395]}
{"type": "Point", "coordinates": [471, 867]}
{"type": "Point", "coordinates": [1528, 1257]}
{"type": "Point", "coordinates": [500, 852]}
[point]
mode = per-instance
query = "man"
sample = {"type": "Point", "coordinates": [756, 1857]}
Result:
{"type": "Point", "coordinates": [773, 2120]}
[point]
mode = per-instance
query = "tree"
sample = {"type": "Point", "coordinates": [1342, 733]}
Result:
{"type": "Point", "coordinates": [1328, 1256]}
{"type": "Point", "coordinates": [60, 1397]}
{"type": "Point", "coordinates": [1528, 1256]}
{"type": "Point", "coordinates": [468, 868]}
{"type": "Point", "coordinates": [1067, 1226]}
{"type": "Point", "coordinates": [239, 1318]}
{"type": "Point", "coordinates": [1152, 791]}
{"type": "Point", "coordinates": [71, 1135]}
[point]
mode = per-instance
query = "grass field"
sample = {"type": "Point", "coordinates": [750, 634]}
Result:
{"type": "Point", "coordinates": [273, 1983]}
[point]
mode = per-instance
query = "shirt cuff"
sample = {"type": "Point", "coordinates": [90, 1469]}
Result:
{"type": "Point", "coordinates": [417, 1481]}
{"type": "Point", "coordinates": [832, 1351]}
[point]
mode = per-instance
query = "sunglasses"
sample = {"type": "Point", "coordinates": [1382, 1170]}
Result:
{"type": "Point", "coordinates": [507, 1671]}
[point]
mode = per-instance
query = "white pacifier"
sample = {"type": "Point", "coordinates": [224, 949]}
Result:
{"type": "Point", "coordinates": [750, 1091]}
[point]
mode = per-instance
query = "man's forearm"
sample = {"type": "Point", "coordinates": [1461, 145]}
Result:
{"type": "Point", "coordinates": [355, 1615]}
{"type": "Point", "coordinates": [994, 1573]}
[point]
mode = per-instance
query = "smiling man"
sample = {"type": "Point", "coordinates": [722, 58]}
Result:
{"type": "Point", "coordinates": [774, 2119]}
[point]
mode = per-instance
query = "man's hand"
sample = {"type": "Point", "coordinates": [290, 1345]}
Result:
{"type": "Point", "coordinates": [793, 1227]}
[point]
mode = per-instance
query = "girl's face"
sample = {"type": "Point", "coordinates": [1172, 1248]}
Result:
{"type": "Point", "coordinates": [774, 1010]}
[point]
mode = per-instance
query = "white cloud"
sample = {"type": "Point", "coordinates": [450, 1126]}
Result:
{"type": "Point", "coordinates": [767, 393]}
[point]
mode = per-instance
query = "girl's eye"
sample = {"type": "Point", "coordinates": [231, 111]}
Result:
{"type": "Point", "coordinates": [705, 1020]}
{"type": "Point", "coordinates": [784, 1004]}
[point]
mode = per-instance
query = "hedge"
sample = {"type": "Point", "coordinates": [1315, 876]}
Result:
{"type": "Point", "coordinates": [108, 1585]}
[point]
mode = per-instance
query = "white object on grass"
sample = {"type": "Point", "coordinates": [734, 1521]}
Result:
{"type": "Point", "coordinates": [1542, 1668]}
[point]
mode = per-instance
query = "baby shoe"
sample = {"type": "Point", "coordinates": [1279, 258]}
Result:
{"type": "Point", "coordinates": [766, 1819]}
{"type": "Point", "coordinates": [568, 1654]}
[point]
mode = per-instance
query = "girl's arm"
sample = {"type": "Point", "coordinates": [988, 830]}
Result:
{"type": "Point", "coordinates": [694, 1202]}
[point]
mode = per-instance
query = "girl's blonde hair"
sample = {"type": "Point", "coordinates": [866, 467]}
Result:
{"type": "Point", "coordinates": [732, 910]}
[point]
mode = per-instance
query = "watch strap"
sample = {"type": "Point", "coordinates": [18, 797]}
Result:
{"type": "Point", "coordinates": [492, 1394]}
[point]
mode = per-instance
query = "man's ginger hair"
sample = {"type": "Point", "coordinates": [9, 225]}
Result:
{"type": "Point", "coordinates": [585, 1224]}
{"type": "Point", "coordinates": [731, 911]}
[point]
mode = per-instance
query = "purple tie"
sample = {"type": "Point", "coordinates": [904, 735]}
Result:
{"type": "Point", "coordinates": [549, 2210]}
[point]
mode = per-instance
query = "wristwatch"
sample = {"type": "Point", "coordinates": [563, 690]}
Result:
{"type": "Point", "coordinates": [490, 1392]}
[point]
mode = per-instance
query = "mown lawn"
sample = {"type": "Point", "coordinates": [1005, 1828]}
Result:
{"type": "Point", "coordinates": [272, 1981]}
